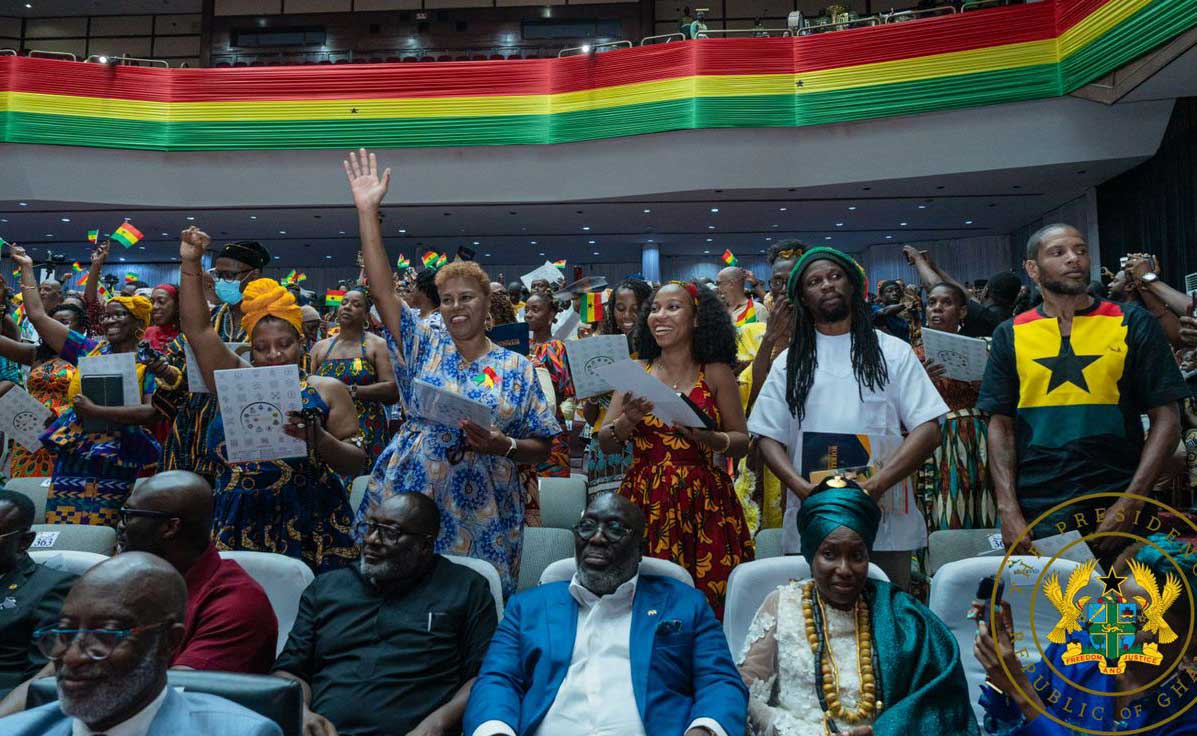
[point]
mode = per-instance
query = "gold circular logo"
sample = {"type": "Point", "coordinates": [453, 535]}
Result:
{"type": "Point", "coordinates": [1110, 630]}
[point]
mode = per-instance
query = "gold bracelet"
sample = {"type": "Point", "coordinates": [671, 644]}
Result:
{"type": "Point", "coordinates": [726, 443]}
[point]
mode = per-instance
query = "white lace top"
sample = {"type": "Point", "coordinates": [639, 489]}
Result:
{"type": "Point", "coordinates": [776, 651]}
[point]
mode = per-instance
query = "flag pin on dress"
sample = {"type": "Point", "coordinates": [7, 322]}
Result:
{"type": "Point", "coordinates": [652, 612]}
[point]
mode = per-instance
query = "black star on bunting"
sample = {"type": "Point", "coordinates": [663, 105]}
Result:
{"type": "Point", "coordinates": [1112, 582]}
{"type": "Point", "coordinates": [1067, 367]}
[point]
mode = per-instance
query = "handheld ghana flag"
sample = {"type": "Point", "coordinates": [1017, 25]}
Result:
{"type": "Point", "coordinates": [130, 277]}
{"type": "Point", "coordinates": [729, 258]}
{"type": "Point", "coordinates": [127, 235]}
{"type": "Point", "coordinates": [403, 263]}
{"type": "Point", "coordinates": [590, 307]}
{"type": "Point", "coordinates": [429, 259]}
{"type": "Point", "coordinates": [748, 316]}
{"type": "Point", "coordinates": [288, 279]}
{"type": "Point", "coordinates": [76, 267]}
{"type": "Point", "coordinates": [560, 264]}
{"type": "Point", "coordinates": [83, 279]}
{"type": "Point", "coordinates": [334, 297]}
{"type": "Point", "coordinates": [93, 236]}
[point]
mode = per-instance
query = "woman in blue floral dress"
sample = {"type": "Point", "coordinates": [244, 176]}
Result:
{"type": "Point", "coordinates": [470, 470]}
{"type": "Point", "coordinates": [94, 471]}
{"type": "Point", "coordinates": [297, 507]}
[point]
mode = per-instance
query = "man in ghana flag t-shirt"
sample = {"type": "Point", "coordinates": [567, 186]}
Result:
{"type": "Point", "coordinates": [1065, 387]}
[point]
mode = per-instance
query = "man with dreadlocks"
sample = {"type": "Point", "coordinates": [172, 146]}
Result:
{"type": "Point", "coordinates": [840, 398]}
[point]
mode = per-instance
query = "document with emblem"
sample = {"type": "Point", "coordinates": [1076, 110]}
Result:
{"type": "Point", "coordinates": [195, 377]}
{"type": "Point", "coordinates": [446, 407]}
{"type": "Point", "coordinates": [254, 403]}
{"type": "Point", "coordinates": [587, 356]}
{"type": "Point", "coordinates": [962, 358]}
{"type": "Point", "coordinates": [23, 418]}
{"type": "Point", "coordinates": [668, 406]}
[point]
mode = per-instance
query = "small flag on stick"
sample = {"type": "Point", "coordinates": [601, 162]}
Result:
{"type": "Point", "coordinates": [127, 235]}
{"type": "Point", "coordinates": [590, 307]}
{"type": "Point", "coordinates": [729, 258]}
{"type": "Point", "coordinates": [560, 263]}
{"type": "Point", "coordinates": [76, 267]}
{"type": "Point", "coordinates": [430, 259]}
{"type": "Point", "coordinates": [288, 279]}
{"type": "Point", "coordinates": [93, 236]}
{"type": "Point", "coordinates": [130, 277]}
{"type": "Point", "coordinates": [334, 297]}
{"type": "Point", "coordinates": [83, 279]}
{"type": "Point", "coordinates": [403, 263]}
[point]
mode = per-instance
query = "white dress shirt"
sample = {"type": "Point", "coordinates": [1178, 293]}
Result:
{"type": "Point", "coordinates": [137, 725]}
{"type": "Point", "coordinates": [596, 697]}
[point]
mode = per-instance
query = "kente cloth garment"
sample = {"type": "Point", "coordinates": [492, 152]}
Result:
{"type": "Point", "coordinates": [480, 496]}
{"type": "Point", "coordinates": [48, 383]}
{"type": "Point", "coordinates": [186, 446]}
{"type": "Point", "coordinates": [293, 507]}
{"type": "Point", "coordinates": [921, 680]}
{"type": "Point", "coordinates": [760, 493]}
{"type": "Point", "coordinates": [953, 483]}
{"type": "Point", "coordinates": [371, 415]}
{"type": "Point", "coordinates": [1077, 400]}
{"type": "Point", "coordinates": [604, 470]}
{"type": "Point", "coordinates": [694, 517]}
{"type": "Point", "coordinates": [94, 471]}
{"type": "Point", "coordinates": [551, 355]}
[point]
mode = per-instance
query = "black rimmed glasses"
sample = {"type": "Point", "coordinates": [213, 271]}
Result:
{"type": "Point", "coordinates": [390, 533]}
{"type": "Point", "coordinates": [127, 513]}
{"type": "Point", "coordinates": [228, 275]}
{"type": "Point", "coordinates": [96, 644]}
{"type": "Point", "coordinates": [613, 531]}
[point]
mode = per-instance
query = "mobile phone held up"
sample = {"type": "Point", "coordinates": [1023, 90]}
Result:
{"type": "Point", "coordinates": [985, 601]}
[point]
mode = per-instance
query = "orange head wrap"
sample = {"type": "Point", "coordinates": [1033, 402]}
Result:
{"type": "Point", "coordinates": [138, 306]}
{"type": "Point", "coordinates": [265, 298]}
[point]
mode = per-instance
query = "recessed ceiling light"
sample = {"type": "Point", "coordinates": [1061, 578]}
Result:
{"type": "Point", "coordinates": [3, 219]}
{"type": "Point", "coordinates": [342, 232]}
{"type": "Point", "coordinates": [49, 235]}
{"type": "Point", "coordinates": [586, 227]}
{"type": "Point", "coordinates": [922, 206]}
{"type": "Point", "coordinates": [23, 204]}
{"type": "Point", "coordinates": [714, 209]}
{"type": "Point", "coordinates": [781, 209]}
{"type": "Point", "coordinates": [761, 251]}
{"type": "Point", "coordinates": [253, 217]}
{"type": "Point", "coordinates": [596, 252]}
{"type": "Point", "coordinates": [706, 251]}
{"type": "Point", "coordinates": [710, 240]}
{"type": "Point", "coordinates": [772, 226]}
{"type": "Point", "coordinates": [889, 237]}
{"type": "Point", "coordinates": [768, 238]}
{"type": "Point", "coordinates": [141, 247]}
{"type": "Point", "coordinates": [165, 235]}
{"type": "Point", "coordinates": [827, 237]}
{"type": "Point", "coordinates": [839, 224]}
{"type": "Point", "coordinates": [328, 258]}
{"type": "Point", "coordinates": [651, 240]}
{"type": "Point", "coordinates": [486, 255]}
{"type": "Point", "coordinates": [65, 219]}
{"type": "Point", "coordinates": [282, 232]}
{"type": "Point", "coordinates": [402, 231]}
{"type": "Point", "coordinates": [852, 207]}
{"type": "Point", "coordinates": [189, 217]}
{"type": "Point", "coordinates": [647, 211]}
{"type": "Point", "coordinates": [542, 254]}
{"type": "Point", "coordinates": [968, 222]}
{"type": "Point", "coordinates": [531, 242]}
{"type": "Point", "coordinates": [902, 224]}
{"type": "Point", "coordinates": [28, 5]}
{"type": "Point", "coordinates": [710, 227]}
{"type": "Point", "coordinates": [591, 242]}
{"type": "Point", "coordinates": [122, 258]}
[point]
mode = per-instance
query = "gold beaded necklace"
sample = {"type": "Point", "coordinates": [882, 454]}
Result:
{"type": "Point", "coordinates": [827, 669]}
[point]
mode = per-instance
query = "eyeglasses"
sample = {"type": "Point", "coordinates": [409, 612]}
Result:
{"type": "Point", "coordinates": [126, 513]}
{"type": "Point", "coordinates": [18, 531]}
{"type": "Point", "coordinates": [612, 531]}
{"type": "Point", "coordinates": [227, 275]}
{"type": "Point", "coordinates": [390, 533]}
{"type": "Point", "coordinates": [96, 644]}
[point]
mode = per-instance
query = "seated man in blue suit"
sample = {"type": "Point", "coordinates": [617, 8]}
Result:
{"type": "Point", "coordinates": [111, 647]}
{"type": "Point", "coordinates": [610, 652]}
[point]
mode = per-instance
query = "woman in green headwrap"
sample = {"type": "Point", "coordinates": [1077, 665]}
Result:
{"type": "Point", "coordinates": [812, 656]}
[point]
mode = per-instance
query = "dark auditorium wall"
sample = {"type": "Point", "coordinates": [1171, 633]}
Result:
{"type": "Point", "coordinates": [1153, 207]}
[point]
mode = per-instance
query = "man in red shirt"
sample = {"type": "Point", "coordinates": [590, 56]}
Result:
{"type": "Point", "coordinates": [230, 625]}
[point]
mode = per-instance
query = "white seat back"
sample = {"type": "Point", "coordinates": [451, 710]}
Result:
{"type": "Point", "coordinates": [488, 571]}
{"type": "Point", "coordinates": [562, 501]}
{"type": "Point", "coordinates": [542, 547]}
{"type": "Point", "coordinates": [954, 587]}
{"type": "Point", "coordinates": [67, 560]}
{"type": "Point", "coordinates": [36, 489]}
{"type": "Point", "coordinates": [283, 578]}
{"type": "Point", "coordinates": [751, 582]}
{"type": "Point", "coordinates": [357, 491]}
{"type": "Point", "coordinates": [563, 570]}
{"type": "Point", "coordinates": [80, 537]}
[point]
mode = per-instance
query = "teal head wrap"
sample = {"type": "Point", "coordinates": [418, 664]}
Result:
{"type": "Point", "coordinates": [1156, 559]}
{"type": "Point", "coordinates": [823, 253]}
{"type": "Point", "coordinates": [828, 508]}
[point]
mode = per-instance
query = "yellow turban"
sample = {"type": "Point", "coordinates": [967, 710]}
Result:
{"type": "Point", "coordinates": [265, 298]}
{"type": "Point", "coordinates": [138, 306]}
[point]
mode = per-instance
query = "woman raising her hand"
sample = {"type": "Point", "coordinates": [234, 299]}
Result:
{"type": "Point", "coordinates": [296, 506]}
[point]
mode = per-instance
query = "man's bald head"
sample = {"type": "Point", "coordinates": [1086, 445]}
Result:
{"type": "Point", "coordinates": [413, 511]}
{"type": "Point", "coordinates": [140, 587]}
{"type": "Point", "coordinates": [178, 526]}
{"type": "Point", "coordinates": [731, 274]}
{"type": "Point", "coordinates": [730, 285]}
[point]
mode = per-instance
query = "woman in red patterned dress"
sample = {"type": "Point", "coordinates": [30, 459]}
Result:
{"type": "Point", "coordinates": [549, 352]}
{"type": "Point", "coordinates": [687, 341]}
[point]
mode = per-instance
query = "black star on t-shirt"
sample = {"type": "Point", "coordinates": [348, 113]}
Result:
{"type": "Point", "coordinates": [1067, 367]}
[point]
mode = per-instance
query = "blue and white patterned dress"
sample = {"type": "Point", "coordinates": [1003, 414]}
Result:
{"type": "Point", "coordinates": [480, 497]}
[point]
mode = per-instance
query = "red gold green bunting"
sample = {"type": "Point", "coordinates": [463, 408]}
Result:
{"type": "Point", "coordinates": [984, 57]}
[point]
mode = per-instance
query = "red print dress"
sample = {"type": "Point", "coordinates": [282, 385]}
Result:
{"type": "Point", "coordinates": [694, 516]}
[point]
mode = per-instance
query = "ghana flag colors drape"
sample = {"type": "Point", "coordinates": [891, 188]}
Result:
{"type": "Point", "coordinates": [985, 57]}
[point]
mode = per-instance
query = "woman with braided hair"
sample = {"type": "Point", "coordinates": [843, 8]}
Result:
{"type": "Point", "coordinates": [841, 397]}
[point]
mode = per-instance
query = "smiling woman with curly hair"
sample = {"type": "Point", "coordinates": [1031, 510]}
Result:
{"type": "Point", "coordinates": [687, 341]}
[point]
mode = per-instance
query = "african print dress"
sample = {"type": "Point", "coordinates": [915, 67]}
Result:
{"type": "Point", "coordinates": [49, 383]}
{"type": "Point", "coordinates": [293, 507]}
{"type": "Point", "coordinates": [551, 355]}
{"type": "Point", "coordinates": [480, 497]}
{"type": "Point", "coordinates": [371, 415]}
{"type": "Point", "coordinates": [694, 517]}
{"type": "Point", "coordinates": [94, 471]}
{"type": "Point", "coordinates": [954, 481]}
{"type": "Point", "coordinates": [186, 447]}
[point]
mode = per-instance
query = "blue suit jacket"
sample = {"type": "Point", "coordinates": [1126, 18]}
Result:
{"type": "Point", "coordinates": [681, 666]}
{"type": "Point", "coordinates": [181, 713]}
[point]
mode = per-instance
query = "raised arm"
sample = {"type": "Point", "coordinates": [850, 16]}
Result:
{"type": "Point", "coordinates": [368, 191]}
{"type": "Point", "coordinates": [53, 332]}
{"type": "Point", "coordinates": [17, 351]}
{"type": "Point", "coordinates": [98, 258]}
{"type": "Point", "coordinates": [210, 351]}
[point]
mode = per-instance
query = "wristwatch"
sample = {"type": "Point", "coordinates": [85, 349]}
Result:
{"type": "Point", "coordinates": [1150, 277]}
{"type": "Point", "coordinates": [353, 391]}
{"type": "Point", "coordinates": [511, 450]}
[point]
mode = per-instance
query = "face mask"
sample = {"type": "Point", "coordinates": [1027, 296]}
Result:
{"type": "Point", "coordinates": [228, 291]}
